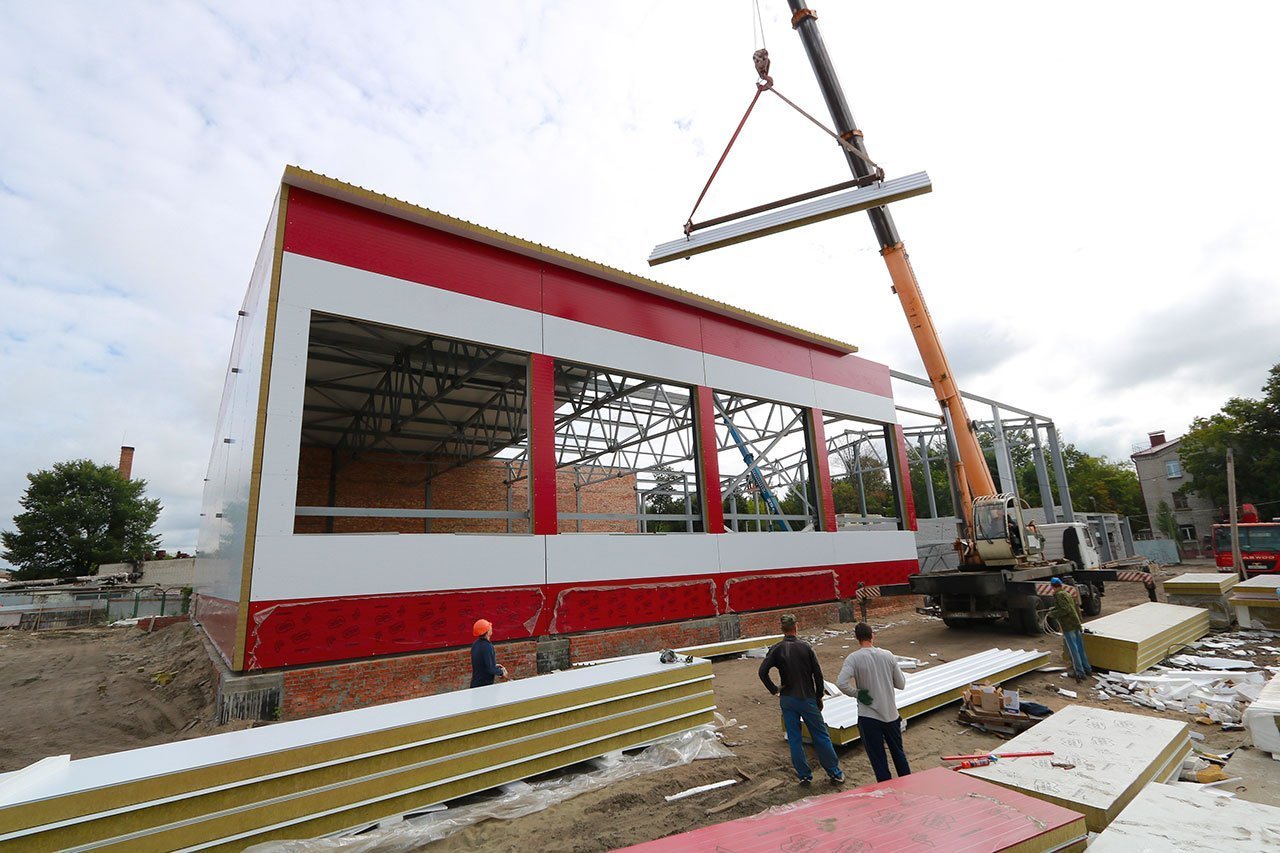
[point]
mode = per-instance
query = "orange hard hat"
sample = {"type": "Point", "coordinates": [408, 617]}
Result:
{"type": "Point", "coordinates": [481, 628]}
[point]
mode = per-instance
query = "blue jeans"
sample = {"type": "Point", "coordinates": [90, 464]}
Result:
{"type": "Point", "coordinates": [876, 735]}
{"type": "Point", "coordinates": [1075, 647]}
{"type": "Point", "coordinates": [795, 709]}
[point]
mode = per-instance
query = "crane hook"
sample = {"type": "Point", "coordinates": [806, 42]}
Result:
{"type": "Point", "coordinates": [761, 60]}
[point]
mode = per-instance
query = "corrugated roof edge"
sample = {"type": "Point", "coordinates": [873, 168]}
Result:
{"type": "Point", "coordinates": [296, 176]}
{"type": "Point", "coordinates": [1159, 448]}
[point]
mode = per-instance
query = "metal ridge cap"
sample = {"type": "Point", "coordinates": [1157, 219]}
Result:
{"type": "Point", "coordinates": [306, 179]}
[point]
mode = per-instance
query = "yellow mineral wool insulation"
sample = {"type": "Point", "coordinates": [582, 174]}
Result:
{"type": "Point", "coordinates": [1135, 639]}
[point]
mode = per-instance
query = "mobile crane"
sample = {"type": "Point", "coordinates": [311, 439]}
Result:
{"type": "Point", "coordinates": [1003, 572]}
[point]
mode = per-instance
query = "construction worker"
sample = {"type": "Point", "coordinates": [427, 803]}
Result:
{"type": "Point", "coordinates": [801, 700]}
{"type": "Point", "coordinates": [1068, 616]}
{"type": "Point", "coordinates": [484, 663]}
{"type": "Point", "coordinates": [871, 675]}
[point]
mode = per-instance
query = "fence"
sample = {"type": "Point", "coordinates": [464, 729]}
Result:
{"type": "Point", "coordinates": [43, 614]}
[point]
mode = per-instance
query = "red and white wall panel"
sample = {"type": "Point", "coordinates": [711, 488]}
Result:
{"type": "Point", "coordinates": [320, 597]}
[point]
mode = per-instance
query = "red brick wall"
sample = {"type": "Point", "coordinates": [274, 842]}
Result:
{"type": "Point", "coordinates": [630, 641]}
{"type": "Point", "coordinates": [810, 617]}
{"type": "Point", "coordinates": [324, 689]}
{"type": "Point", "coordinates": [340, 687]}
{"type": "Point", "coordinates": [387, 480]}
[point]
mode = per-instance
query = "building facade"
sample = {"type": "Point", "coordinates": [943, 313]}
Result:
{"type": "Point", "coordinates": [425, 422]}
{"type": "Point", "coordinates": [1161, 475]}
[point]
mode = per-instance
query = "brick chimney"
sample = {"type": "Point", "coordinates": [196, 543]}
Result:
{"type": "Point", "coordinates": [126, 462]}
{"type": "Point", "coordinates": [1157, 438]}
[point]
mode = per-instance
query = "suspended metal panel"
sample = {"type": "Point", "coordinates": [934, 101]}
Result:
{"type": "Point", "coordinates": [809, 212]}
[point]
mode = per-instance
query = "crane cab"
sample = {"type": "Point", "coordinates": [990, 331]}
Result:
{"type": "Point", "coordinates": [1000, 533]}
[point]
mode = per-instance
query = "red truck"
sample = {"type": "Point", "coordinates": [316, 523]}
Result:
{"type": "Point", "coordinates": [1259, 545]}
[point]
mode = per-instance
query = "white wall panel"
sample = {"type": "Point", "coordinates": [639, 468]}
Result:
{"type": "Point", "coordinates": [349, 292]}
{"type": "Point", "coordinates": [869, 546]}
{"type": "Point", "coordinates": [838, 400]}
{"type": "Point", "coordinates": [344, 564]}
{"type": "Point", "coordinates": [724, 374]}
{"type": "Point", "coordinates": [741, 552]}
{"type": "Point", "coordinates": [586, 557]}
{"type": "Point", "coordinates": [573, 341]}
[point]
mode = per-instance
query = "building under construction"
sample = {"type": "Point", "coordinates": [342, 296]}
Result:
{"type": "Point", "coordinates": [426, 422]}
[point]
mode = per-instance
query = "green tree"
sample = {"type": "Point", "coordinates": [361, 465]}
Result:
{"type": "Point", "coordinates": [76, 516]}
{"type": "Point", "coordinates": [1096, 484]}
{"type": "Point", "coordinates": [1166, 522]}
{"type": "Point", "coordinates": [1251, 428]}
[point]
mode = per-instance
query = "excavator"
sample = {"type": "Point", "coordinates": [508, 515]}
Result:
{"type": "Point", "coordinates": [1003, 572]}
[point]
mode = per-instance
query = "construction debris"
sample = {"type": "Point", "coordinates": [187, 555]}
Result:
{"type": "Point", "coordinates": [1174, 817]}
{"type": "Point", "coordinates": [1112, 755]}
{"type": "Point", "coordinates": [1262, 718]}
{"type": "Point", "coordinates": [701, 789]}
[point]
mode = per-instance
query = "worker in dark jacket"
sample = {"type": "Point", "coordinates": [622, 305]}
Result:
{"type": "Point", "coordinates": [484, 663]}
{"type": "Point", "coordinates": [1068, 616]}
{"type": "Point", "coordinates": [801, 700]}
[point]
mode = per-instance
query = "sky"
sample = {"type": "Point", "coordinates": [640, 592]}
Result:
{"type": "Point", "coordinates": [1101, 245]}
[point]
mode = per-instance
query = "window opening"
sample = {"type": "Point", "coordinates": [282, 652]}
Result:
{"type": "Point", "coordinates": [626, 460]}
{"type": "Point", "coordinates": [404, 431]}
{"type": "Point", "coordinates": [864, 479]}
{"type": "Point", "coordinates": [766, 481]}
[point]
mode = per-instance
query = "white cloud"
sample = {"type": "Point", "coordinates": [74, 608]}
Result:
{"type": "Point", "coordinates": [1099, 246]}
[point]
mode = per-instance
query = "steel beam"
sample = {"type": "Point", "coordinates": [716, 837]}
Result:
{"type": "Point", "coordinates": [775, 221]}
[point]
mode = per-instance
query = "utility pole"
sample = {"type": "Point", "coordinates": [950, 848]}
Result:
{"type": "Point", "coordinates": [1236, 562]}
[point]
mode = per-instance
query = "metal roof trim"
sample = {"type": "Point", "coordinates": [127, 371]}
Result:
{"type": "Point", "coordinates": [296, 176]}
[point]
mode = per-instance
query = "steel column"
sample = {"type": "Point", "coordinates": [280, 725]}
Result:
{"type": "Point", "coordinates": [1042, 475]}
{"type": "Point", "coordinates": [1060, 473]}
{"type": "Point", "coordinates": [822, 465]}
{"type": "Point", "coordinates": [542, 444]}
{"type": "Point", "coordinates": [708, 467]}
{"type": "Point", "coordinates": [1004, 460]}
{"type": "Point", "coordinates": [923, 444]}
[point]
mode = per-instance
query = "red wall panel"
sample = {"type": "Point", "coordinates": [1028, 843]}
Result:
{"type": "Point", "coordinates": [779, 589]}
{"type": "Point", "coordinates": [579, 297]}
{"type": "Point", "coordinates": [286, 633]}
{"type": "Point", "coordinates": [708, 460]}
{"type": "Point", "coordinates": [330, 230]}
{"type": "Point", "coordinates": [542, 443]}
{"type": "Point", "coordinates": [590, 608]}
{"type": "Point", "coordinates": [741, 342]}
{"type": "Point", "coordinates": [822, 462]}
{"type": "Point", "coordinates": [851, 371]}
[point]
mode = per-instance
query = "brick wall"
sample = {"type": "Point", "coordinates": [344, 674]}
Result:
{"type": "Point", "coordinates": [387, 480]}
{"type": "Point", "coordinates": [328, 688]}
{"type": "Point", "coordinates": [630, 641]}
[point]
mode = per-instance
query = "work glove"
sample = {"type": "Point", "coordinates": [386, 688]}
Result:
{"type": "Point", "coordinates": [864, 696]}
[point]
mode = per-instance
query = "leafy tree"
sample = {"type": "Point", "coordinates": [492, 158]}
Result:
{"type": "Point", "coordinates": [1096, 483]}
{"type": "Point", "coordinates": [76, 516]}
{"type": "Point", "coordinates": [1251, 428]}
{"type": "Point", "coordinates": [1166, 523]}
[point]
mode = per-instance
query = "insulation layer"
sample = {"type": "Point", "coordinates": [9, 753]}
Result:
{"type": "Point", "coordinates": [934, 687]}
{"type": "Point", "coordinates": [323, 775]}
{"type": "Point", "coordinates": [929, 811]}
{"type": "Point", "coordinates": [1199, 821]}
{"type": "Point", "coordinates": [1202, 583]}
{"type": "Point", "coordinates": [1135, 639]}
{"type": "Point", "coordinates": [1113, 755]}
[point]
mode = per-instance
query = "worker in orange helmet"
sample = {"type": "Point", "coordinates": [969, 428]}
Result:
{"type": "Point", "coordinates": [484, 663]}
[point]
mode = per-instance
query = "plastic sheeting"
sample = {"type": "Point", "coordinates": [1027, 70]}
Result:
{"type": "Point", "coordinates": [517, 799]}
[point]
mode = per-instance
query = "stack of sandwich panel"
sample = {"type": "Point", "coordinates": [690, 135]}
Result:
{"type": "Point", "coordinates": [1262, 718]}
{"type": "Point", "coordinates": [935, 687]}
{"type": "Point", "coordinates": [1101, 760]}
{"type": "Point", "coordinates": [930, 811]}
{"type": "Point", "coordinates": [1167, 817]}
{"type": "Point", "coordinates": [348, 770]}
{"type": "Point", "coordinates": [1135, 639]}
{"type": "Point", "coordinates": [1208, 590]}
{"type": "Point", "coordinates": [1257, 602]}
{"type": "Point", "coordinates": [707, 650]}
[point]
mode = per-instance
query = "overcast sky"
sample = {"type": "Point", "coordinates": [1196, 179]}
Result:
{"type": "Point", "coordinates": [1101, 245]}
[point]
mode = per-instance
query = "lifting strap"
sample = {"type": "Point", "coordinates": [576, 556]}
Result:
{"type": "Point", "coordinates": [765, 84]}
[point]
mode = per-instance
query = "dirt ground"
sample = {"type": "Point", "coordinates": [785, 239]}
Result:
{"type": "Point", "coordinates": [87, 692]}
{"type": "Point", "coordinates": [90, 691]}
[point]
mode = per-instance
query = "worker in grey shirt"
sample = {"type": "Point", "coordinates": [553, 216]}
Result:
{"type": "Point", "coordinates": [871, 675]}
